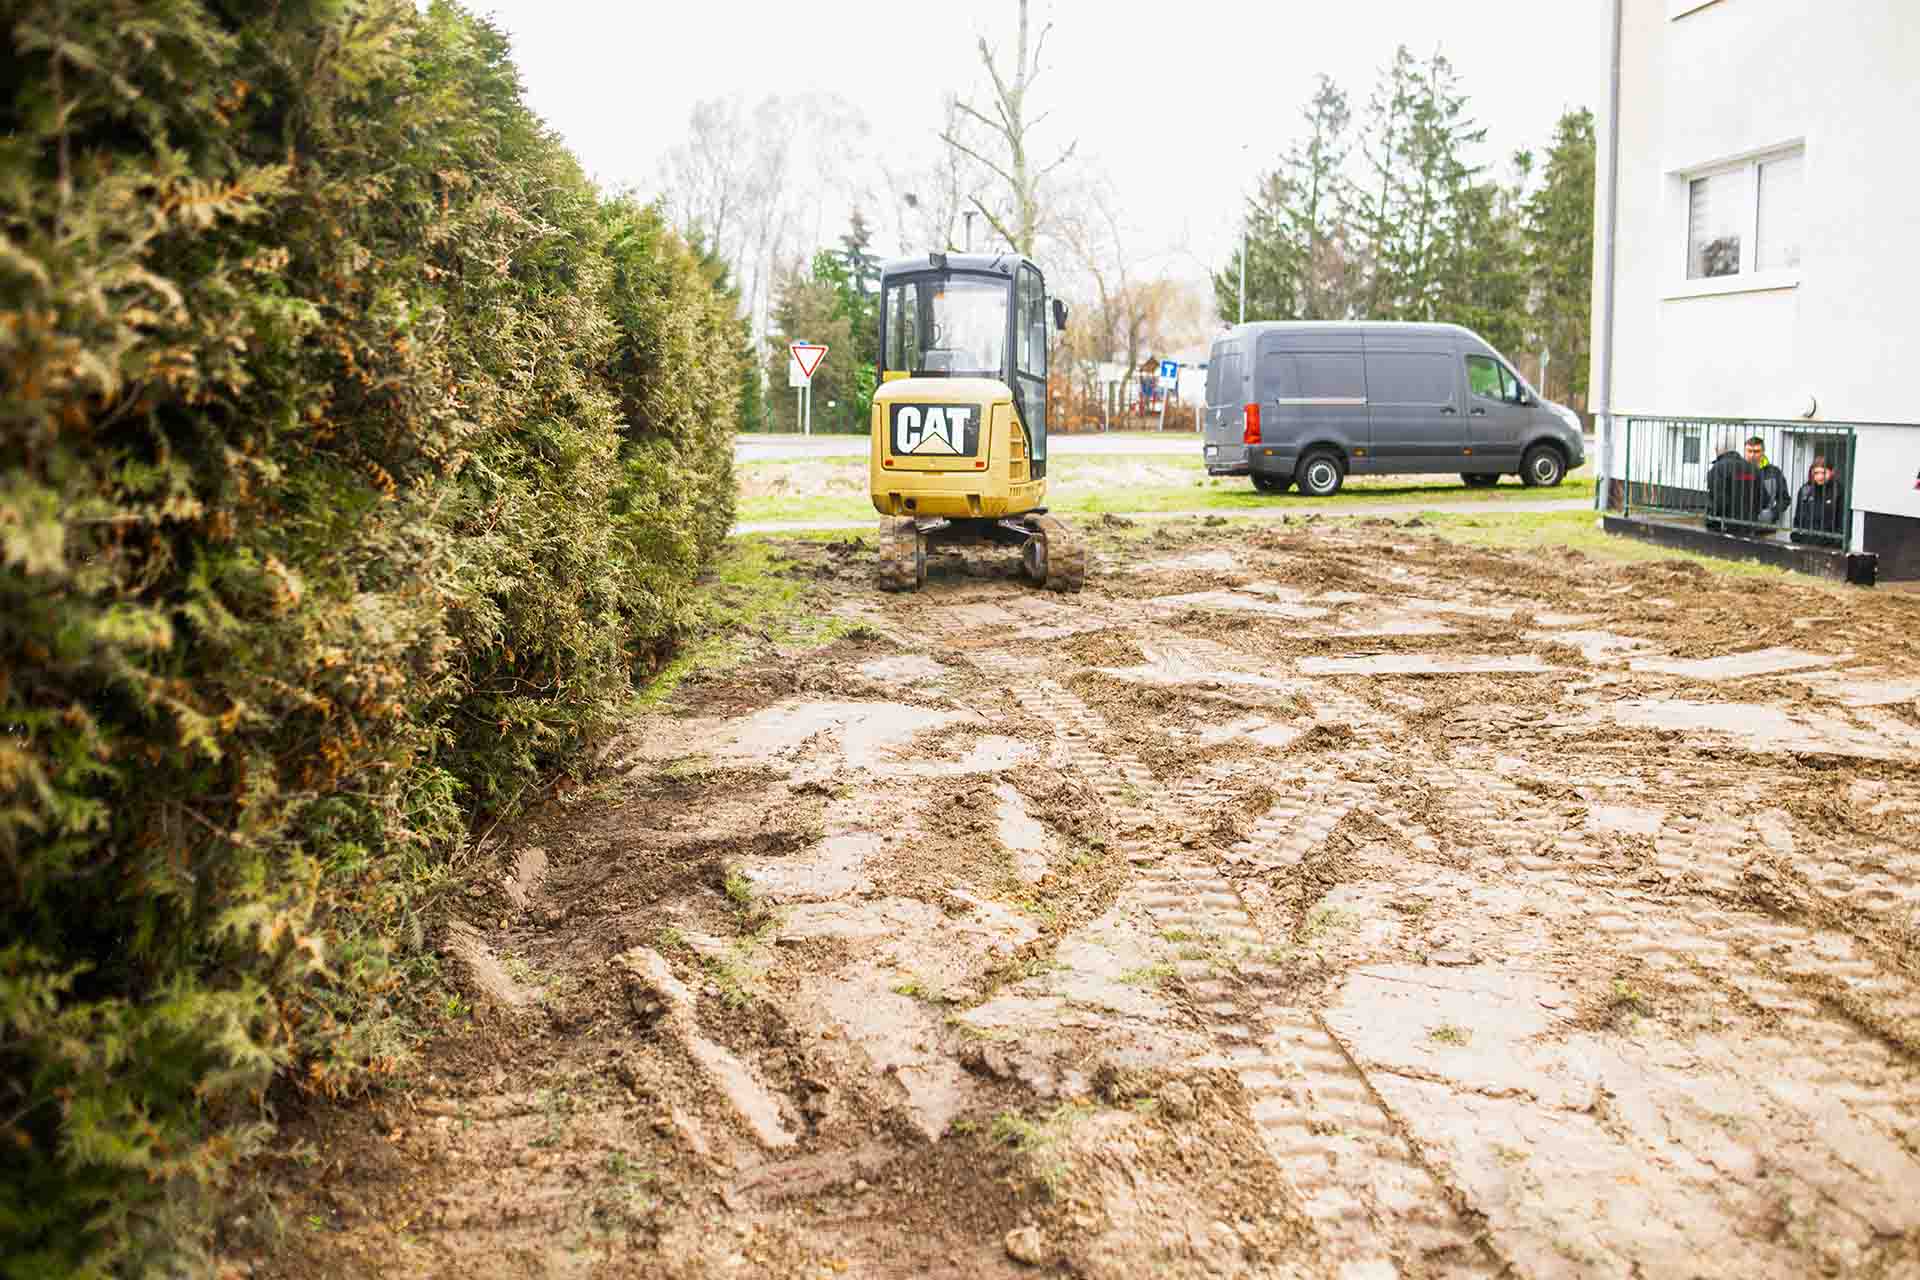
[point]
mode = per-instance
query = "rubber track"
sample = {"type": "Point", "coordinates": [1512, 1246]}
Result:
{"type": "Point", "coordinates": [897, 567]}
{"type": "Point", "coordinates": [1066, 555]}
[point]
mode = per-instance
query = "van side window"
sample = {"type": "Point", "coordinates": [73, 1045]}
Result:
{"type": "Point", "coordinates": [1325, 376]}
{"type": "Point", "coordinates": [1491, 380]}
{"type": "Point", "coordinates": [1483, 377]}
{"type": "Point", "coordinates": [1279, 376]}
{"type": "Point", "coordinates": [1408, 377]}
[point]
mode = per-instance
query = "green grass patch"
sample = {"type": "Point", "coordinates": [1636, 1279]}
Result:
{"type": "Point", "coordinates": [1129, 483]}
{"type": "Point", "coordinates": [1148, 976]}
{"type": "Point", "coordinates": [747, 595]}
{"type": "Point", "coordinates": [1574, 531]}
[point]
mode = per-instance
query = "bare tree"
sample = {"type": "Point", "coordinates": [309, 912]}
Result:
{"type": "Point", "coordinates": [927, 200]}
{"type": "Point", "coordinates": [707, 176]}
{"type": "Point", "coordinates": [1021, 221]}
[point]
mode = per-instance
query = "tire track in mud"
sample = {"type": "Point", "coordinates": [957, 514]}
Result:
{"type": "Point", "coordinates": [1359, 1180]}
{"type": "Point", "coordinates": [1841, 1027]}
{"type": "Point", "coordinates": [1721, 858]}
{"type": "Point", "coordinates": [1829, 1002]}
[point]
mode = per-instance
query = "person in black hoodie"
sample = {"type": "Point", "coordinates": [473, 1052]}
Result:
{"type": "Point", "coordinates": [1818, 510]}
{"type": "Point", "coordinates": [1733, 488]}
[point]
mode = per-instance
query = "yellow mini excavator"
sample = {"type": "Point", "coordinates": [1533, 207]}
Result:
{"type": "Point", "coordinates": [960, 416]}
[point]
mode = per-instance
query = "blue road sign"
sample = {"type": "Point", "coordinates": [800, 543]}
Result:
{"type": "Point", "coordinates": [1169, 369]}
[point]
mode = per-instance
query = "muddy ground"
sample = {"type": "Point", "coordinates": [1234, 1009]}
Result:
{"type": "Point", "coordinates": [1320, 901]}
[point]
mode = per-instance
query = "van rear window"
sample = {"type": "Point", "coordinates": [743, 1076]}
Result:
{"type": "Point", "coordinates": [1223, 378]}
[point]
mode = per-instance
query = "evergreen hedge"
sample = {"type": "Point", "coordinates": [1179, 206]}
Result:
{"type": "Point", "coordinates": [355, 455]}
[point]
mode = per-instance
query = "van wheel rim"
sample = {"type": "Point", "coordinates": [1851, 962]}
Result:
{"type": "Point", "coordinates": [1320, 475]}
{"type": "Point", "coordinates": [1543, 469]}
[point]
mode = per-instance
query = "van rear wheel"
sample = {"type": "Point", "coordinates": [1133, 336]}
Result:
{"type": "Point", "coordinates": [1272, 484]}
{"type": "Point", "coordinates": [1320, 474]}
{"type": "Point", "coordinates": [1543, 467]}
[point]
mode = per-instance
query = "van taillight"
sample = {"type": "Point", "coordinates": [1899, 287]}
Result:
{"type": "Point", "coordinates": [1252, 434]}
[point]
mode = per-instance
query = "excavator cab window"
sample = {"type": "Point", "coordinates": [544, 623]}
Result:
{"type": "Point", "coordinates": [953, 324]}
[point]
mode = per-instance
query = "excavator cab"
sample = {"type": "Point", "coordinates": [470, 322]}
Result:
{"type": "Point", "coordinates": [960, 416]}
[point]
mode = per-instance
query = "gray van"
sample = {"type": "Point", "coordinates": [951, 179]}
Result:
{"type": "Point", "coordinates": [1311, 401]}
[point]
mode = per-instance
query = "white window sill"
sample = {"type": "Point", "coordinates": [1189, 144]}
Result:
{"type": "Point", "coordinates": [1715, 286]}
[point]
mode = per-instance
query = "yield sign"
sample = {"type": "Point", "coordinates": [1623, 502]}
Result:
{"type": "Point", "coordinates": [808, 356]}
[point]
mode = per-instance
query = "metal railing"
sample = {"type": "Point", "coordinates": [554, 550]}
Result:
{"type": "Point", "coordinates": [1705, 469]}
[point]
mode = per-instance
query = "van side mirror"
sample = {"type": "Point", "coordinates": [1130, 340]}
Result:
{"type": "Point", "coordinates": [1059, 314]}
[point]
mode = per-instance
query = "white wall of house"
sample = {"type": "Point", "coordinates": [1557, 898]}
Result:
{"type": "Point", "coordinates": [1717, 89]}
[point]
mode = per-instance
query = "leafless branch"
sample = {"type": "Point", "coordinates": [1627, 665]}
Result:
{"type": "Point", "coordinates": [1038, 45]}
{"type": "Point", "coordinates": [986, 56]}
{"type": "Point", "coordinates": [1064, 157]}
{"type": "Point", "coordinates": [964, 149]}
{"type": "Point", "coordinates": [992, 221]}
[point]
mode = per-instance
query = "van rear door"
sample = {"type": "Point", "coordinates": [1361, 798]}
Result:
{"type": "Point", "coordinates": [1223, 440]}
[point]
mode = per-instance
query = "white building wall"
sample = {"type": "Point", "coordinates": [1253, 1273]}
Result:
{"type": "Point", "coordinates": [1728, 80]}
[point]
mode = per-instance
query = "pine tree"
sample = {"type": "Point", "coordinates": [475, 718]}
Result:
{"type": "Point", "coordinates": [1558, 233]}
{"type": "Point", "coordinates": [1296, 235]}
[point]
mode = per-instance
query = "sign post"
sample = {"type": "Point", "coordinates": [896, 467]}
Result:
{"type": "Point", "coordinates": [803, 359]}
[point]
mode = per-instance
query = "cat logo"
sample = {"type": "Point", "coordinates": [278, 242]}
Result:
{"type": "Point", "coordinates": [949, 429]}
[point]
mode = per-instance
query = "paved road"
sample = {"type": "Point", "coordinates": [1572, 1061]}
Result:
{"type": "Point", "coordinates": [1175, 443]}
{"type": "Point", "coordinates": [1276, 513]}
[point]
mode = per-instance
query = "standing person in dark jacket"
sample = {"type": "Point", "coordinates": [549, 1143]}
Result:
{"type": "Point", "coordinates": [1733, 488]}
{"type": "Point", "coordinates": [1775, 495]}
{"type": "Point", "coordinates": [1817, 511]}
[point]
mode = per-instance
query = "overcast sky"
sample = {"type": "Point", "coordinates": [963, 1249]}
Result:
{"type": "Point", "coordinates": [1181, 103]}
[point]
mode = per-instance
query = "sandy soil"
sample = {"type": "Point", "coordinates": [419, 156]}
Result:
{"type": "Point", "coordinates": [1324, 902]}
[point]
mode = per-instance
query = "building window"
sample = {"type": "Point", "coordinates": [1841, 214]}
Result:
{"type": "Point", "coordinates": [1777, 233]}
{"type": "Point", "coordinates": [1746, 219]}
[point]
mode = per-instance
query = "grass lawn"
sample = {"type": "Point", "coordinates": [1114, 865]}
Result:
{"type": "Point", "coordinates": [1575, 531]}
{"type": "Point", "coordinates": [1528, 531]}
{"type": "Point", "coordinates": [836, 489]}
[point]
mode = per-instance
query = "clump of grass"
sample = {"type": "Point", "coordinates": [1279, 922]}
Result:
{"type": "Point", "coordinates": [1148, 975]}
{"type": "Point", "coordinates": [739, 890]}
{"type": "Point", "coordinates": [1324, 920]}
{"type": "Point", "coordinates": [1447, 1033]}
{"type": "Point", "coordinates": [1038, 1140]}
{"type": "Point", "coordinates": [731, 979]}
{"type": "Point", "coordinates": [918, 989]}
{"type": "Point", "coordinates": [1628, 999]}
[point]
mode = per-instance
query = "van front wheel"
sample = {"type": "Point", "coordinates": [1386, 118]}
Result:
{"type": "Point", "coordinates": [1272, 484]}
{"type": "Point", "coordinates": [1320, 474]}
{"type": "Point", "coordinates": [1543, 467]}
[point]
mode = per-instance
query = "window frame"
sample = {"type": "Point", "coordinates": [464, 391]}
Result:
{"type": "Point", "coordinates": [1512, 390]}
{"type": "Point", "coordinates": [1029, 295]}
{"type": "Point", "coordinates": [1748, 279]}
